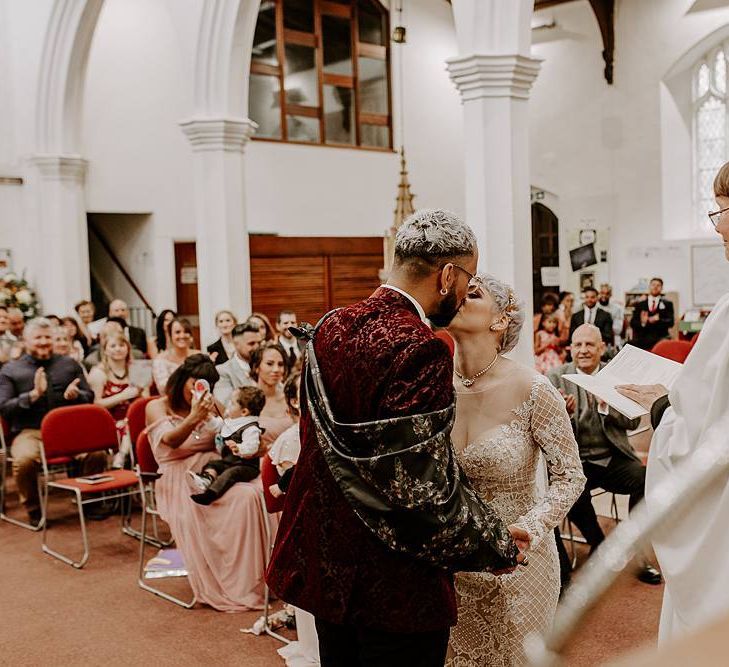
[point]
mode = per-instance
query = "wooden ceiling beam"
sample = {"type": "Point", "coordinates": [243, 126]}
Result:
{"type": "Point", "coordinates": [605, 14]}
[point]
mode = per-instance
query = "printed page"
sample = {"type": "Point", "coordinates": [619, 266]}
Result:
{"type": "Point", "coordinates": [630, 366]}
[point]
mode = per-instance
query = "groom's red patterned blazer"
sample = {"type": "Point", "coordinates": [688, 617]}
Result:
{"type": "Point", "coordinates": [378, 359]}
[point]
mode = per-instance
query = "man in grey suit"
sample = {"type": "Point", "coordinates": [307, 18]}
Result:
{"type": "Point", "coordinates": [235, 372]}
{"type": "Point", "coordinates": [608, 459]}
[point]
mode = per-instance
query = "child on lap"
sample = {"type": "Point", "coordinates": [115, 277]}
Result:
{"type": "Point", "coordinates": [239, 442]}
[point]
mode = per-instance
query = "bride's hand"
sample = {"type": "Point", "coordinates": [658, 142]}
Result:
{"type": "Point", "coordinates": [522, 539]}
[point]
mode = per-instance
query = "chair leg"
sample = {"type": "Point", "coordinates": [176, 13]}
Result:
{"type": "Point", "coordinates": [137, 534]}
{"type": "Point", "coordinates": [9, 519]}
{"type": "Point", "coordinates": [84, 537]}
{"type": "Point", "coordinates": [266, 592]}
{"type": "Point", "coordinates": [143, 541]}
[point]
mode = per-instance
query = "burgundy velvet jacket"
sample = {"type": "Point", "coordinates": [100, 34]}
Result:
{"type": "Point", "coordinates": [378, 359]}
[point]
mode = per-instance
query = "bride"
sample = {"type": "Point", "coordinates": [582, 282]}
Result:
{"type": "Point", "coordinates": [506, 414]}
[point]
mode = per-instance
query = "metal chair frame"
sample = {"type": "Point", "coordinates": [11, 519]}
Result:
{"type": "Point", "coordinates": [267, 630]}
{"type": "Point", "coordinates": [47, 484]}
{"type": "Point", "coordinates": [576, 539]}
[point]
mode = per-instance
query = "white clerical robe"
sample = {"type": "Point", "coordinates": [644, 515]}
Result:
{"type": "Point", "coordinates": [693, 550]}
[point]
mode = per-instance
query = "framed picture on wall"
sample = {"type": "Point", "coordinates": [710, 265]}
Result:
{"type": "Point", "coordinates": [587, 279]}
{"type": "Point", "coordinates": [583, 256]}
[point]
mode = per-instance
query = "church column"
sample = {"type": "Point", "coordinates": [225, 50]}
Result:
{"type": "Point", "coordinates": [494, 73]}
{"type": "Point", "coordinates": [223, 263]}
{"type": "Point", "coordinates": [63, 250]}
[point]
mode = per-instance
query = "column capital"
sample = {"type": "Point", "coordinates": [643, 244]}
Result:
{"type": "Point", "coordinates": [477, 76]}
{"type": "Point", "coordinates": [218, 134]}
{"type": "Point", "coordinates": [60, 167]}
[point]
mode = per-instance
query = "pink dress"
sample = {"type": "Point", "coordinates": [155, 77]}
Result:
{"type": "Point", "coordinates": [551, 357]}
{"type": "Point", "coordinates": [224, 545]}
{"type": "Point", "coordinates": [274, 426]}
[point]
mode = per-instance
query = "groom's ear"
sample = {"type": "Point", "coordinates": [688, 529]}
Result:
{"type": "Point", "coordinates": [446, 277]}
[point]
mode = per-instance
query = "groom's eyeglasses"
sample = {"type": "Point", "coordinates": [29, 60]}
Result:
{"type": "Point", "coordinates": [473, 281]}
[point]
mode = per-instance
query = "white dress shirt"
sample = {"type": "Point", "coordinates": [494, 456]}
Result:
{"type": "Point", "coordinates": [412, 299]}
{"type": "Point", "coordinates": [590, 315]}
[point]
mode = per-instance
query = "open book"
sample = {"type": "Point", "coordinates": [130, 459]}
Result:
{"type": "Point", "coordinates": [630, 366]}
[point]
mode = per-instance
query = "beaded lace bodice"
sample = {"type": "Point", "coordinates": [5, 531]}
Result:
{"type": "Point", "coordinates": [504, 434]}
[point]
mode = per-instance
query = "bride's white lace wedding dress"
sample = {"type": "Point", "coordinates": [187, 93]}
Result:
{"type": "Point", "coordinates": [501, 431]}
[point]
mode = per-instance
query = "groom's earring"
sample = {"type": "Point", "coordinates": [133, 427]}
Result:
{"type": "Point", "coordinates": [444, 291]}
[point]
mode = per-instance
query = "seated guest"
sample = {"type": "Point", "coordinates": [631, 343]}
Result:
{"type": "Point", "coordinates": [291, 345]}
{"type": "Point", "coordinates": [72, 329]}
{"type": "Point", "coordinates": [548, 306]}
{"type": "Point", "coordinates": [65, 345]}
{"type": "Point", "coordinates": [5, 325]}
{"type": "Point", "coordinates": [29, 388]}
{"type": "Point", "coordinates": [111, 326]}
{"type": "Point", "coordinates": [239, 446]}
{"type": "Point", "coordinates": [548, 353]}
{"type": "Point", "coordinates": [86, 311]}
{"type": "Point", "coordinates": [269, 368]}
{"type": "Point", "coordinates": [161, 340]}
{"type": "Point", "coordinates": [652, 318]}
{"type": "Point", "coordinates": [591, 313]}
{"type": "Point", "coordinates": [608, 460]}
{"type": "Point", "coordinates": [236, 372]}
{"type": "Point", "coordinates": [223, 348]}
{"type": "Point", "coordinates": [285, 451]}
{"type": "Point", "coordinates": [16, 322]}
{"type": "Point", "coordinates": [607, 303]}
{"type": "Point", "coordinates": [223, 545]}
{"type": "Point", "coordinates": [163, 365]}
{"type": "Point", "coordinates": [135, 335]}
{"type": "Point", "coordinates": [264, 326]}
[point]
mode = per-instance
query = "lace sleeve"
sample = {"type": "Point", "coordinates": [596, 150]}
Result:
{"type": "Point", "coordinates": [552, 432]}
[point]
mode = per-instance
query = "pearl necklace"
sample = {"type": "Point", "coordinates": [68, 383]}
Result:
{"type": "Point", "coordinates": [468, 382]}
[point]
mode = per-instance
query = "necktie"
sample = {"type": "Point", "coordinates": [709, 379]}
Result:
{"type": "Point", "coordinates": [589, 316]}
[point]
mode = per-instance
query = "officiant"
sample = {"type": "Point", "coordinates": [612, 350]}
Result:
{"type": "Point", "coordinates": [608, 459]}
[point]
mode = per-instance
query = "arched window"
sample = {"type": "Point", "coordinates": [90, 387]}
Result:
{"type": "Point", "coordinates": [320, 73]}
{"type": "Point", "coordinates": [710, 127]}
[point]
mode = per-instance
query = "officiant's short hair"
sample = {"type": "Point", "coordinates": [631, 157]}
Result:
{"type": "Point", "coordinates": [432, 236]}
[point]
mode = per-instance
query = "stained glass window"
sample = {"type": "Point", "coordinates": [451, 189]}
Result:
{"type": "Point", "coordinates": [710, 129]}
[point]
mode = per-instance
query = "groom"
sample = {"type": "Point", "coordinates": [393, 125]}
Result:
{"type": "Point", "coordinates": [368, 544]}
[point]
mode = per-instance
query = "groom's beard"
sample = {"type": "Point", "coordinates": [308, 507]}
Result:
{"type": "Point", "coordinates": [447, 310]}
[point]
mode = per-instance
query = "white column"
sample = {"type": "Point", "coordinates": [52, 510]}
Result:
{"type": "Point", "coordinates": [63, 248]}
{"type": "Point", "coordinates": [223, 261]}
{"type": "Point", "coordinates": [494, 74]}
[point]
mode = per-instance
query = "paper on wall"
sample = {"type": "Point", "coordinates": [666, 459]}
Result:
{"type": "Point", "coordinates": [630, 366]}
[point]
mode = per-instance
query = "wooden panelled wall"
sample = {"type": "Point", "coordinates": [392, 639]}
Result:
{"type": "Point", "coordinates": [308, 275]}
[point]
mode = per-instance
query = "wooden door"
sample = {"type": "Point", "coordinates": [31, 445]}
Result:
{"type": "Point", "coordinates": [545, 249]}
{"type": "Point", "coordinates": [186, 285]}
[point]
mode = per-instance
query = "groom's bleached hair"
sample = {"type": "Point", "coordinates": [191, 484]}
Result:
{"type": "Point", "coordinates": [432, 236]}
{"type": "Point", "coordinates": [508, 304]}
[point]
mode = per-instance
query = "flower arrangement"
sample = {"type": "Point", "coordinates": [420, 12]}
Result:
{"type": "Point", "coordinates": [15, 292]}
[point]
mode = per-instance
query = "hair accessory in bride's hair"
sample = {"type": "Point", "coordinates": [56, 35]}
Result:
{"type": "Point", "coordinates": [512, 304]}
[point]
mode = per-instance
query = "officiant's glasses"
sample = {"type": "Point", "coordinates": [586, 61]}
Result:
{"type": "Point", "coordinates": [714, 216]}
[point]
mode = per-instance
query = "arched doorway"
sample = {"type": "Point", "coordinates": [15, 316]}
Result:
{"type": "Point", "coordinates": [545, 250]}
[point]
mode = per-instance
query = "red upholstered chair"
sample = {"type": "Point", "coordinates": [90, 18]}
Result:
{"type": "Point", "coordinates": [147, 473]}
{"type": "Point", "coordinates": [135, 416]}
{"type": "Point", "coordinates": [68, 432]}
{"type": "Point", "coordinates": [55, 465]}
{"type": "Point", "coordinates": [676, 350]}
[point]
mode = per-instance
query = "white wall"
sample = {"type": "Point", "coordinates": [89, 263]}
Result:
{"type": "Point", "coordinates": [598, 148]}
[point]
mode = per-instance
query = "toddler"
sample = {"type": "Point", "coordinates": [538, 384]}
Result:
{"type": "Point", "coordinates": [238, 443]}
{"type": "Point", "coordinates": [547, 350]}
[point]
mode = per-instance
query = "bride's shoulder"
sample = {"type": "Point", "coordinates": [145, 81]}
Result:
{"type": "Point", "coordinates": [520, 377]}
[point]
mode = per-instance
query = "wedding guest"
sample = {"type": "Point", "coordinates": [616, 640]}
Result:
{"type": "Point", "coordinates": [236, 372]}
{"type": "Point", "coordinates": [70, 324]}
{"type": "Point", "coordinates": [5, 325]}
{"type": "Point", "coordinates": [86, 312]}
{"type": "Point", "coordinates": [65, 346]}
{"type": "Point", "coordinates": [547, 345]}
{"type": "Point", "coordinates": [16, 322]}
{"type": "Point", "coordinates": [564, 313]}
{"type": "Point", "coordinates": [223, 348]}
{"type": "Point", "coordinates": [224, 546]}
{"type": "Point", "coordinates": [292, 347]}
{"type": "Point", "coordinates": [548, 307]}
{"type": "Point", "coordinates": [164, 364]}
{"type": "Point", "coordinates": [652, 318]}
{"type": "Point", "coordinates": [606, 302]}
{"type": "Point", "coordinates": [285, 451]}
{"type": "Point", "coordinates": [269, 368]}
{"type": "Point", "coordinates": [608, 459]}
{"type": "Point", "coordinates": [107, 329]}
{"type": "Point", "coordinates": [136, 336]}
{"type": "Point", "coordinates": [161, 340]}
{"type": "Point", "coordinates": [592, 314]}
{"type": "Point", "coordinates": [109, 380]}
{"type": "Point", "coordinates": [29, 388]}
{"type": "Point", "coordinates": [54, 320]}
{"type": "Point", "coordinates": [264, 326]}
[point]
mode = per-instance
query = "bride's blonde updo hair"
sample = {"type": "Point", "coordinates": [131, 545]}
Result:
{"type": "Point", "coordinates": [508, 304]}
